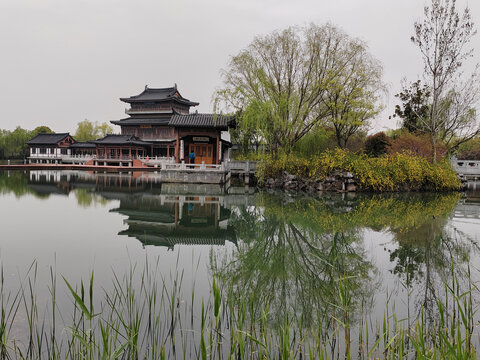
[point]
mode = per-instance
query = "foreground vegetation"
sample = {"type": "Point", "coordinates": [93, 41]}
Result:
{"type": "Point", "coordinates": [142, 315]}
{"type": "Point", "coordinates": [386, 173]}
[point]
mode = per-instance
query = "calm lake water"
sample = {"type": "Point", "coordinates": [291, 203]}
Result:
{"type": "Point", "coordinates": [395, 251]}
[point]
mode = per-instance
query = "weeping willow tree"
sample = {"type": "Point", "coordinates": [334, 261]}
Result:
{"type": "Point", "coordinates": [352, 98]}
{"type": "Point", "coordinates": [286, 83]}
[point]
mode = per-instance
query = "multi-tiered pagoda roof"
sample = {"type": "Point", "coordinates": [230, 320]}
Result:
{"type": "Point", "coordinates": [154, 106]}
{"type": "Point", "coordinates": [159, 95]}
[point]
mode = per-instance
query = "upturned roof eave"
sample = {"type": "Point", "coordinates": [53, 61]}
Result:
{"type": "Point", "coordinates": [205, 121]}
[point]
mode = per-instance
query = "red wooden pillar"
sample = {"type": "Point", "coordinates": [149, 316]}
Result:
{"type": "Point", "coordinates": [217, 152]}
{"type": "Point", "coordinates": [176, 214]}
{"type": "Point", "coordinates": [177, 150]}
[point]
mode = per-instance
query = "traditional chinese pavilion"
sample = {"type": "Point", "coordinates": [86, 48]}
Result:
{"type": "Point", "coordinates": [50, 147]}
{"type": "Point", "coordinates": [159, 125]}
{"type": "Point", "coordinates": [161, 118]}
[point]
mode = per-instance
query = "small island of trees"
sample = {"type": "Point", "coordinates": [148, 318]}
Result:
{"type": "Point", "coordinates": [303, 92]}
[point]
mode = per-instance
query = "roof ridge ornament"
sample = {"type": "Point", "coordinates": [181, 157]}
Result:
{"type": "Point", "coordinates": [146, 87]}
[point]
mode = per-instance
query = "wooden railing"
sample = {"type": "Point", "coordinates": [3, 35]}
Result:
{"type": "Point", "coordinates": [149, 110]}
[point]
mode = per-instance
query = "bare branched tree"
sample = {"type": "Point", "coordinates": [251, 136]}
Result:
{"type": "Point", "coordinates": [458, 113]}
{"type": "Point", "coordinates": [443, 38]}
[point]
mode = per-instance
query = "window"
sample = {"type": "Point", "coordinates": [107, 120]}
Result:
{"type": "Point", "coordinates": [43, 150]}
{"type": "Point", "coordinates": [64, 152]}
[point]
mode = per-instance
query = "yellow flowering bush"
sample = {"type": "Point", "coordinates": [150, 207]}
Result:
{"type": "Point", "coordinates": [387, 173]}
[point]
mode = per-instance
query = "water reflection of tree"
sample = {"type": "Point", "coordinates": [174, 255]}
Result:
{"type": "Point", "coordinates": [87, 198]}
{"type": "Point", "coordinates": [297, 270]}
{"type": "Point", "coordinates": [16, 182]}
{"type": "Point", "coordinates": [428, 257]}
{"type": "Point", "coordinates": [301, 253]}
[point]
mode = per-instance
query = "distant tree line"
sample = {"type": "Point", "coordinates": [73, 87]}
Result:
{"type": "Point", "coordinates": [13, 144]}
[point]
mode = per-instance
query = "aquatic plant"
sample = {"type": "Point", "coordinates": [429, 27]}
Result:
{"type": "Point", "coordinates": [144, 315]}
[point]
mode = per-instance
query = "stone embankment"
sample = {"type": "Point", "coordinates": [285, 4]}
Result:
{"type": "Point", "coordinates": [340, 181]}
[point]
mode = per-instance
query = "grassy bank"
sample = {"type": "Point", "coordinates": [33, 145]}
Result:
{"type": "Point", "coordinates": [147, 316]}
{"type": "Point", "coordinates": [387, 173]}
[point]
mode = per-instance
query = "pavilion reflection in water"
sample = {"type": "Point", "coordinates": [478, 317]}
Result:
{"type": "Point", "coordinates": [168, 220]}
{"type": "Point", "coordinates": [153, 216]}
{"type": "Point", "coordinates": [468, 207]}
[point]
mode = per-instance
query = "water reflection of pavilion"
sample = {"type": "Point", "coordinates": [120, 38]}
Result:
{"type": "Point", "coordinates": [62, 182]}
{"type": "Point", "coordinates": [156, 214]}
{"type": "Point", "coordinates": [168, 220]}
{"type": "Point", "coordinates": [469, 206]}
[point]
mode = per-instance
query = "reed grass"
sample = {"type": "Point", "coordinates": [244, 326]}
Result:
{"type": "Point", "coordinates": [142, 316]}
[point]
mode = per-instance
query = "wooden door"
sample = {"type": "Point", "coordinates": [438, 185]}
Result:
{"type": "Point", "coordinates": [203, 152]}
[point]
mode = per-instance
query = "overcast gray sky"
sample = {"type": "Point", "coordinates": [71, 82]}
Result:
{"type": "Point", "coordinates": [63, 61]}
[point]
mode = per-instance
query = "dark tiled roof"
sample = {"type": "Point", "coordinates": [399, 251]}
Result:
{"type": "Point", "coordinates": [160, 141]}
{"type": "Point", "coordinates": [134, 120]}
{"type": "Point", "coordinates": [221, 122]}
{"type": "Point", "coordinates": [83, 145]}
{"type": "Point", "coordinates": [47, 189]}
{"type": "Point", "coordinates": [120, 140]}
{"type": "Point", "coordinates": [159, 94]}
{"type": "Point", "coordinates": [153, 235]}
{"type": "Point", "coordinates": [47, 139]}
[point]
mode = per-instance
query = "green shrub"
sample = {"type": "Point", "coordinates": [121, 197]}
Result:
{"type": "Point", "coordinates": [467, 149]}
{"type": "Point", "coordinates": [377, 144]}
{"type": "Point", "coordinates": [315, 142]}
